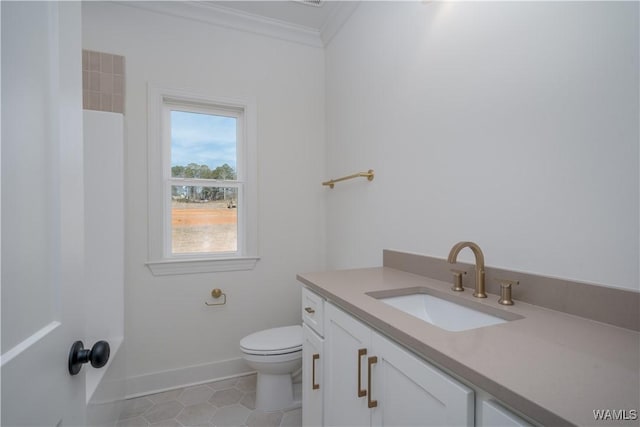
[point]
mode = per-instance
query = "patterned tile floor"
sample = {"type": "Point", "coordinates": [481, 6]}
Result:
{"type": "Point", "coordinates": [221, 403]}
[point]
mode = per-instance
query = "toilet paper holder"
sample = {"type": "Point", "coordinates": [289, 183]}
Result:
{"type": "Point", "coordinates": [217, 293]}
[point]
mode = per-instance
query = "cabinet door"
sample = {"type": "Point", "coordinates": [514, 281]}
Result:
{"type": "Point", "coordinates": [412, 392]}
{"type": "Point", "coordinates": [312, 381]}
{"type": "Point", "coordinates": [346, 341]}
{"type": "Point", "coordinates": [495, 415]}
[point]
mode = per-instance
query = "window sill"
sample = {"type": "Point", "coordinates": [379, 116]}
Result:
{"type": "Point", "coordinates": [194, 266]}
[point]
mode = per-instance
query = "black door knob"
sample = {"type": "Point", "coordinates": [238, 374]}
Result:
{"type": "Point", "coordinates": [98, 356]}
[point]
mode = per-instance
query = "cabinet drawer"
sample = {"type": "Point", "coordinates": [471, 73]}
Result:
{"type": "Point", "coordinates": [313, 311]}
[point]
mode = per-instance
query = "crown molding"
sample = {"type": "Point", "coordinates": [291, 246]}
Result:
{"type": "Point", "coordinates": [210, 13]}
{"type": "Point", "coordinates": [230, 18]}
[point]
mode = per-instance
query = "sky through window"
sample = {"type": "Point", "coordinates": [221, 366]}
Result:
{"type": "Point", "coordinates": [204, 139]}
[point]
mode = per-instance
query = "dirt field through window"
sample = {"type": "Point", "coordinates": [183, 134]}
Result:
{"type": "Point", "coordinates": [204, 227]}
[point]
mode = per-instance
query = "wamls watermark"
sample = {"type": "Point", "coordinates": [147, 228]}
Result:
{"type": "Point", "coordinates": [615, 414]}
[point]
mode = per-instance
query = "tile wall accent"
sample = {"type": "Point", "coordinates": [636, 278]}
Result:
{"type": "Point", "coordinates": [619, 307]}
{"type": "Point", "coordinates": [102, 81]}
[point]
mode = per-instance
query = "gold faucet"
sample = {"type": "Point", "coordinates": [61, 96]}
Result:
{"type": "Point", "coordinates": [453, 256]}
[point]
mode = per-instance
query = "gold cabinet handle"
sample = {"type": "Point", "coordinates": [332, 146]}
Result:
{"type": "Point", "coordinates": [361, 352]}
{"type": "Point", "coordinates": [314, 386]}
{"type": "Point", "coordinates": [309, 310]}
{"type": "Point", "coordinates": [371, 403]}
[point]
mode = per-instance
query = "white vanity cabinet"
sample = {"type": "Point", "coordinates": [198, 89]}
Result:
{"type": "Point", "coordinates": [312, 359]}
{"type": "Point", "coordinates": [354, 376]}
{"type": "Point", "coordinates": [371, 380]}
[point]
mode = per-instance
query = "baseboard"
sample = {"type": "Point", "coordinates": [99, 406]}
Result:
{"type": "Point", "coordinates": [157, 382]}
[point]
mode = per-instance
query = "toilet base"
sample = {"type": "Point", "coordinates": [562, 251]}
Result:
{"type": "Point", "coordinates": [275, 392]}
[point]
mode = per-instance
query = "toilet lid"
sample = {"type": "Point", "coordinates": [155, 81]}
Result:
{"type": "Point", "coordinates": [271, 341]}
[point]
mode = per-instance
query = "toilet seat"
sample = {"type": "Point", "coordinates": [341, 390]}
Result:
{"type": "Point", "coordinates": [275, 341]}
{"type": "Point", "coordinates": [273, 358]}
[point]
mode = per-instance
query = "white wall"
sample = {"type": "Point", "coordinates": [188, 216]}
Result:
{"type": "Point", "coordinates": [171, 336]}
{"type": "Point", "coordinates": [511, 124]}
{"type": "Point", "coordinates": [514, 125]}
{"type": "Point", "coordinates": [103, 237]}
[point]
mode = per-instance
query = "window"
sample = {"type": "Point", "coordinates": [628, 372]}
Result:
{"type": "Point", "coordinates": [202, 179]}
{"type": "Point", "coordinates": [202, 204]}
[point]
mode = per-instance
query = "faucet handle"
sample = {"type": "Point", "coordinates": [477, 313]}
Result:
{"type": "Point", "coordinates": [457, 280]}
{"type": "Point", "coordinates": [505, 291]}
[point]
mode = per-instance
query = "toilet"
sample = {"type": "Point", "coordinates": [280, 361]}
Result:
{"type": "Point", "coordinates": [276, 354]}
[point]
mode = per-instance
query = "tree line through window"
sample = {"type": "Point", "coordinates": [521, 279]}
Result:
{"type": "Point", "coordinates": [198, 193]}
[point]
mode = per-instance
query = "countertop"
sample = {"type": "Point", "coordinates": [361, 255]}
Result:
{"type": "Point", "coordinates": [553, 367]}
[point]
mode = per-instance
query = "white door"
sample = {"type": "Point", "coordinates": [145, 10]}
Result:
{"type": "Point", "coordinates": [412, 392]}
{"type": "Point", "coordinates": [42, 213]}
{"type": "Point", "coordinates": [347, 348]}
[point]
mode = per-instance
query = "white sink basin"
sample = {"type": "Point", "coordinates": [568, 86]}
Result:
{"type": "Point", "coordinates": [443, 313]}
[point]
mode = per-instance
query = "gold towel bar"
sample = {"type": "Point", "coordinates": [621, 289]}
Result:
{"type": "Point", "coordinates": [369, 175]}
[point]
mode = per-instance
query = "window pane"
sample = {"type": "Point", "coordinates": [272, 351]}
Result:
{"type": "Point", "coordinates": [203, 219]}
{"type": "Point", "coordinates": [203, 146]}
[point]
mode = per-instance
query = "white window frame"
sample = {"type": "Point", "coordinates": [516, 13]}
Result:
{"type": "Point", "coordinates": [161, 260]}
